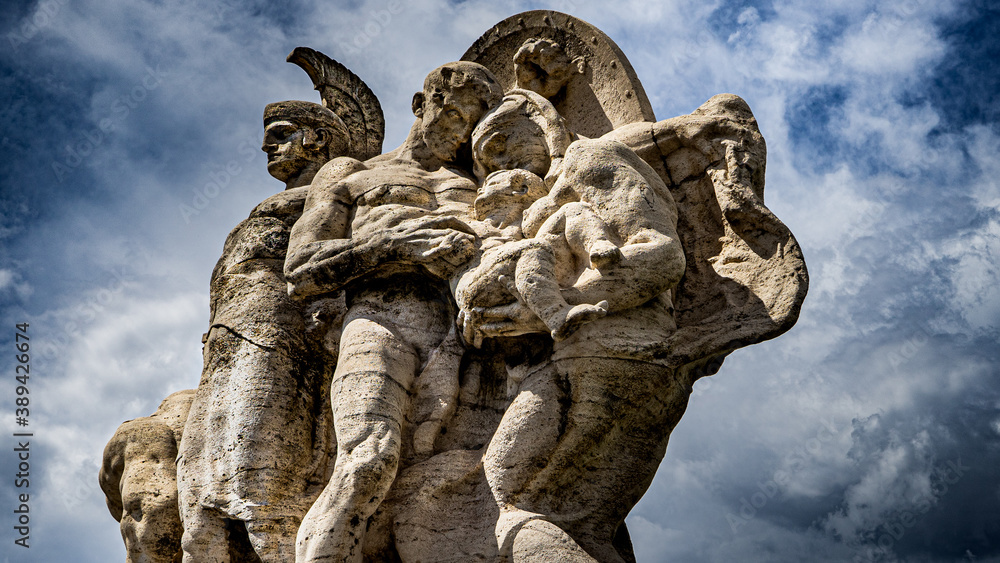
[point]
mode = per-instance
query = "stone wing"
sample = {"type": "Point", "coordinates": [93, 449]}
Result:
{"type": "Point", "coordinates": [347, 96]}
{"type": "Point", "coordinates": [745, 278]}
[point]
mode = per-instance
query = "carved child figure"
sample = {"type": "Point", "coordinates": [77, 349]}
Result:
{"type": "Point", "coordinates": [511, 153]}
{"type": "Point", "coordinates": [568, 410]}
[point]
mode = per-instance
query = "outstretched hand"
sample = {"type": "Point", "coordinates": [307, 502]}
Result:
{"type": "Point", "coordinates": [511, 319]}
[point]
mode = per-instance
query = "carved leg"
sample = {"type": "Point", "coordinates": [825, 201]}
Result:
{"type": "Point", "coordinates": [532, 433]}
{"type": "Point", "coordinates": [206, 538]}
{"type": "Point", "coordinates": [369, 395]}
{"type": "Point", "coordinates": [588, 442]}
{"type": "Point", "coordinates": [539, 541]}
{"type": "Point", "coordinates": [620, 418]}
{"type": "Point", "coordinates": [522, 444]}
{"type": "Point", "coordinates": [436, 394]}
{"type": "Point", "coordinates": [588, 236]}
{"type": "Point", "coordinates": [536, 280]}
{"type": "Point", "coordinates": [273, 539]}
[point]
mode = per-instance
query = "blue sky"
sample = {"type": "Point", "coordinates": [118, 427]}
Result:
{"type": "Point", "coordinates": [871, 431]}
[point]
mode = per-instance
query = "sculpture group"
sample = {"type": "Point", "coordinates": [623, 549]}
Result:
{"type": "Point", "coordinates": [474, 346]}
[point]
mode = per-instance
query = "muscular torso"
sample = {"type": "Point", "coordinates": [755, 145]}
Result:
{"type": "Point", "coordinates": [255, 248]}
{"type": "Point", "coordinates": [397, 191]}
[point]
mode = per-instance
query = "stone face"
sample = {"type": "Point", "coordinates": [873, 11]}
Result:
{"type": "Point", "coordinates": [475, 346]}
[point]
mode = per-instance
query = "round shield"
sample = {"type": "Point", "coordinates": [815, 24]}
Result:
{"type": "Point", "coordinates": [601, 91]}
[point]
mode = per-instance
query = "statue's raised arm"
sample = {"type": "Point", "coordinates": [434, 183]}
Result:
{"type": "Point", "coordinates": [745, 277]}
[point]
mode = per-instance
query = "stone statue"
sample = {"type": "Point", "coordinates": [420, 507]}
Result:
{"type": "Point", "coordinates": [390, 233]}
{"type": "Point", "coordinates": [139, 480]}
{"type": "Point", "coordinates": [256, 445]}
{"type": "Point", "coordinates": [260, 442]}
{"type": "Point", "coordinates": [512, 145]}
{"type": "Point", "coordinates": [473, 347]}
{"type": "Point", "coordinates": [593, 370]}
{"type": "Point", "coordinates": [704, 269]}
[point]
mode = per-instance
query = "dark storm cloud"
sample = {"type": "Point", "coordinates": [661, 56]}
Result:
{"type": "Point", "coordinates": [972, 68]}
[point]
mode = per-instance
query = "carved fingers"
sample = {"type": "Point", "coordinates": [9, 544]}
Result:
{"type": "Point", "coordinates": [511, 319]}
{"type": "Point", "coordinates": [442, 251]}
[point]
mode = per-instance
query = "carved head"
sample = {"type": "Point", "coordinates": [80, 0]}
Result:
{"type": "Point", "coordinates": [455, 96]}
{"type": "Point", "coordinates": [525, 131]}
{"type": "Point", "coordinates": [505, 194]}
{"type": "Point", "coordinates": [543, 66]}
{"type": "Point", "coordinates": [300, 136]}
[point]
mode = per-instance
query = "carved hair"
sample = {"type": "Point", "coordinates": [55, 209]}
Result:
{"type": "Point", "coordinates": [518, 104]}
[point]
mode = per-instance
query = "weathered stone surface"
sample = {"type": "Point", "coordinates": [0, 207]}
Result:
{"type": "Point", "coordinates": [475, 347]}
{"type": "Point", "coordinates": [349, 97]}
{"type": "Point", "coordinates": [602, 91]}
{"type": "Point", "coordinates": [259, 444]}
{"type": "Point", "coordinates": [138, 477]}
{"type": "Point", "coordinates": [388, 232]}
{"type": "Point", "coordinates": [260, 432]}
{"type": "Point", "coordinates": [745, 278]}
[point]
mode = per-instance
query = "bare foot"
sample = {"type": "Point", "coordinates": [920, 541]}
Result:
{"type": "Point", "coordinates": [604, 254]}
{"type": "Point", "coordinates": [578, 316]}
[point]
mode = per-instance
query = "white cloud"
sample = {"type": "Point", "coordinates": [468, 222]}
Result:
{"type": "Point", "coordinates": [11, 282]}
{"type": "Point", "coordinates": [984, 147]}
{"type": "Point", "coordinates": [975, 274]}
{"type": "Point", "coordinates": [132, 344]}
{"type": "Point", "coordinates": [887, 44]}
